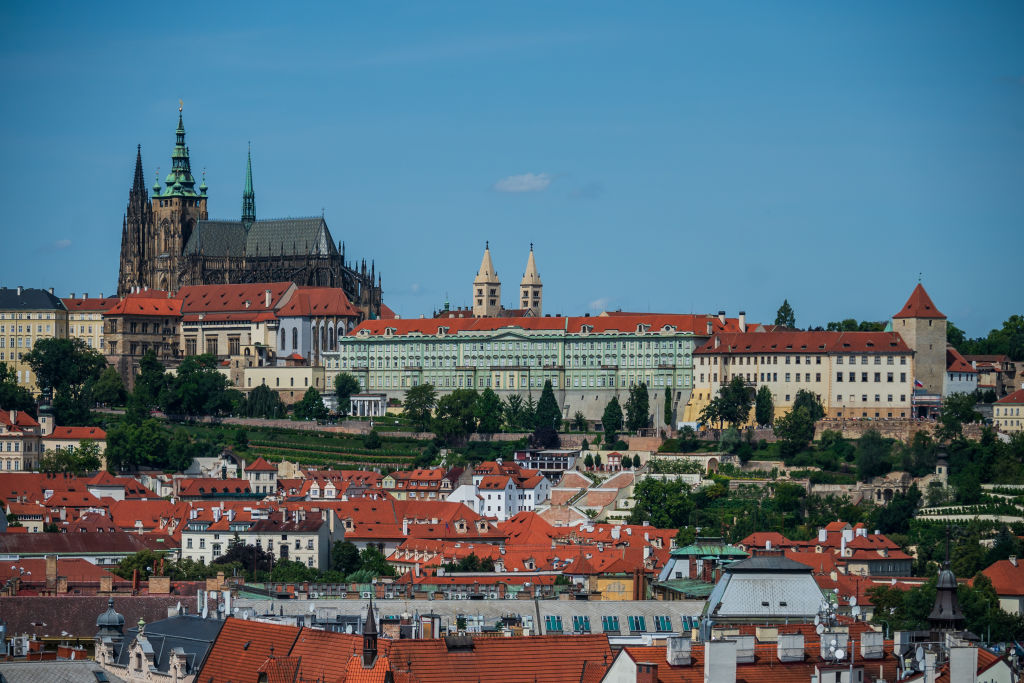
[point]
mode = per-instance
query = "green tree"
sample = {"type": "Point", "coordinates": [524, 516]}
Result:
{"type": "Point", "coordinates": [419, 405]}
{"type": "Point", "coordinates": [588, 461]}
{"type": "Point", "coordinates": [109, 389]}
{"type": "Point", "coordinates": [130, 446]}
{"type": "Point", "coordinates": [69, 368]}
{"type": "Point", "coordinates": [265, 402]}
{"type": "Point", "coordinates": [764, 410]}
{"type": "Point", "coordinates": [627, 461]}
{"type": "Point", "coordinates": [345, 557]}
{"type": "Point", "coordinates": [151, 379]}
{"type": "Point", "coordinates": [372, 440]}
{"type": "Point", "coordinates": [579, 422]}
{"type": "Point", "coordinates": [547, 419]}
{"type": "Point", "coordinates": [668, 408]}
{"type": "Point", "coordinates": [76, 461]}
{"type": "Point", "coordinates": [811, 401]}
{"type": "Point", "coordinates": [144, 561]}
{"type": "Point", "coordinates": [197, 388]}
{"type": "Point", "coordinates": [665, 504]}
{"type": "Point", "coordinates": [455, 417]}
{"type": "Point", "coordinates": [597, 460]}
{"type": "Point", "coordinates": [957, 410]}
{"type": "Point", "coordinates": [488, 412]}
{"type": "Point", "coordinates": [612, 419]}
{"type": "Point", "coordinates": [311, 407]}
{"type": "Point", "coordinates": [12, 395]}
{"type": "Point", "coordinates": [795, 429]}
{"type": "Point", "coordinates": [240, 439]}
{"type": "Point", "coordinates": [734, 401]}
{"type": "Point", "coordinates": [872, 455]}
{"type": "Point", "coordinates": [344, 386]}
{"type": "Point", "coordinates": [638, 409]}
{"type": "Point", "coordinates": [785, 315]}
{"type": "Point", "coordinates": [373, 561]}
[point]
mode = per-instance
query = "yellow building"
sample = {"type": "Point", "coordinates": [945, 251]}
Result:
{"type": "Point", "coordinates": [1008, 413]}
{"type": "Point", "coordinates": [856, 375]}
{"type": "Point", "coordinates": [85, 318]}
{"type": "Point", "coordinates": [26, 316]}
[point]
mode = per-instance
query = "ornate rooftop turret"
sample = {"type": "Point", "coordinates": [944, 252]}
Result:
{"type": "Point", "coordinates": [179, 182]}
{"type": "Point", "coordinates": [370, 636]}
{"type": "Point", "coordinates": [946, 614]}
{"type": "Point", "coordinates": [248, 196]}
{"type": "Point", "coordinates": [110, 623]}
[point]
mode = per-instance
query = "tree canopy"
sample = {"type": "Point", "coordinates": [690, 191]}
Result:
{"type": "Point", "coordinates": [311, 407]}
{"type": "Point", "coordinates": [344, 386]}
{"type": "Point", "coordinates": [455, 416]}
{"type": "Point", "coordinates": [419, 405]}
{"type": "Point", "coordinates": [612, 420]}
{"type": "Point", "coordinates": [547, 419]}
{"type": "Point", "coordinates": [785, 315]}
{"type": "Point", "coordinates": [488, 411]}
{"type": "Point", "coordinates": [1008, 340]}
{"type": "Point", "coordinates": [197, 388]}
{"type": "Point", "coordinates": [12, 395]}
{"type": "Point", "coordinates": [764, 411]}
{"type": "Point", "coordinates": [638, 409]}
{"type": "Point", "coordinates": [69, 368]}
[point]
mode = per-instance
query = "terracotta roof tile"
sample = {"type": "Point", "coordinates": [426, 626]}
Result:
{"type": "Point", "coordinates": [1007, 578]}
{"type": "Point", "coordinates": [242, 647]}
{"type": "Point", "coordinates": [1015, 397]}
{"type": "Point", "coordinates": [919, 305]}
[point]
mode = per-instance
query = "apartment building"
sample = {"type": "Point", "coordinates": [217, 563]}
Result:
{"type": "Point", "coordinates": [26, 316]}
{"type": "Point", "coordinates": [85, 317]}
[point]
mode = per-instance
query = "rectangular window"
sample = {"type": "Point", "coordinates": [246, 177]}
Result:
{"type": "Point", "coordinates": [888, 377]}
{"type": "Point", "coordinates": [637, 624]}
{"type": "Point", "coordinates": [839, 377]}
{"type": "Point", "coordinates": [853, 376]}
{"type": "Point", "coordinates": [610, 624]}
{"type": "Point", "coordinates": [863, 377]}
{"type": "Point", "coordinates": [663, 623]}
{"type": "Point", "coordinates": [581, 624]}
{"type": "Point", "coordinates": [878, 377]}
{"type": "Point", "coordinates": [903, 377]}
{"type": "Point", "coordinates": [553, 624]}
{"type": "Point", "coordinates": [211, 346]}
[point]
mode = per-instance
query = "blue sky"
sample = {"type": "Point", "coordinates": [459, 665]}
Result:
{"type": "Point", "coordinates": [665, 156]}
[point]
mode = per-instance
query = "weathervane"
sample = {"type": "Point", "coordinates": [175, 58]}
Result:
{"type": "Point", "coordinates": [181, 105]}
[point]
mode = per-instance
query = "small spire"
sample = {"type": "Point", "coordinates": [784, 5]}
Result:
{"type": "Point", "coordinates": [248, 195]}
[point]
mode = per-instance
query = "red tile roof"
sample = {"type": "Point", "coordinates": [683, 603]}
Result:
{"type": "Point", "coordinates": [319, 301]}
{"type": "Point", "coordinates": [1007, 578]}
{"type": "Point", "coordinates": [386, 313]}
{"type": "Point", "coordinates": [1015, 397]}
{"type": "Point", "coordinates": [260, 465]}
{"type": "Point", "coordinates": [232, 298]}
{"type": "Point", "coordinates": [760, 539]}
{"type": "Point", "coordinates": [91, 304]}
{"type": "Point", "coordinates": [955, 362]}
{"type": "Point", "coordinates": [21, 420]}
{"type": "Point", "coordinates": [804, 342]}
{"type": "Point", "coordinates": [77, 434]}
{"type": "Point", "coordinates": [138, 305]}
{"type": "Point", "coordinates": [919, 305]}
{"type": "Point", "coordinates": [242, 647]}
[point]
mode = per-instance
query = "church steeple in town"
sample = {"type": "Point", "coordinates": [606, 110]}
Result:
{"type": "Point", "coordinates": [531, 289]}
{"type": "Point", "coordinates": [369, 637]}
{"type": "Point", "coordinates": [139, 183]}
{"type": "Point", "coordinates": [179, 182]}
{"type": "Point", "coordinates": [486, 288]}
{"type": "Point", "coordinates": [248, 195]}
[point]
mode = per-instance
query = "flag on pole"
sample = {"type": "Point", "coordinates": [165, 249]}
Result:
{"type": "Point", "coordinates": [917, 384]}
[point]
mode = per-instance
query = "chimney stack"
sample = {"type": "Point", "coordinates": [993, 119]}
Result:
{"type": "Point", "coordinates": [790, 647]}
{"type": "Point", "coordinates": [711, 327]}
{"type": "Point", "coordinates": [720, 661]}
{"type": "Point", "coordinates": [1013, 560]}
{"type": "Point", "coordinates": [85, 295]}
{"type": "Point", "coordinates": [721, 317]}
{"type": "Point", "coordinates": [20, 290]}
{"type": "Point", "coordinates": [678, 651]}
{"type": "Point", "coordinates": [266, 298]}
{"type": "Point", "coordinates": [963, 664]}
{"type": "Point", "coordinates": [743, 321]}
{"type": "Point", "coordinates": [51, 291]}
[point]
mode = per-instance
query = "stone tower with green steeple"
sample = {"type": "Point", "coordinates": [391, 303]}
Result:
{"type": "Point", "coordinates": [156, 230]}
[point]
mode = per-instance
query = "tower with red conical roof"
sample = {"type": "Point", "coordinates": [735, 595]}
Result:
{"type": "Point", "coordinates": [923, 328]}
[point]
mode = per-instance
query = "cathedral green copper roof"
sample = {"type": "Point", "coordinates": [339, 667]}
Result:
{"type": "Point", "coordinates": [179, 182]}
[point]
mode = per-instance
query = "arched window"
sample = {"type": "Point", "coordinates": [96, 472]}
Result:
{"type": "Point", "coordinates": [295, 338]}
{"type": "Point", "coordinates": [282, 340]}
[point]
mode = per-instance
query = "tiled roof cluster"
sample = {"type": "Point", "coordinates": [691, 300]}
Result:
{"type": "Point", "coordinates": [804, 342]}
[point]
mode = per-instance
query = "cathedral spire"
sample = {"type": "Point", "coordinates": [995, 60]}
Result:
{"type": "Point", "coordinates": [179, 182]}
{"type": "Point", "coordinates": [248, 196]}
{"type": "Point", "coordinates": [139, 184]}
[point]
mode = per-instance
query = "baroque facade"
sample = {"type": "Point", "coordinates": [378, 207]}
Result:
{"type": "Point", "coordinates": [169, 242]}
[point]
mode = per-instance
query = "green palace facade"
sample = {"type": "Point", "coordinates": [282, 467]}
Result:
{"type": "Point", "coordinates": [587, 359]}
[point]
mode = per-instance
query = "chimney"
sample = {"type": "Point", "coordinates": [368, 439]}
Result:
{"type": "Point", "coordinates": [200, 600]}
{"type": "Point", "coordinates": [227, 603]}
{"type": "Point", "coordinates": [51, 572]}
{"type": "Point", "coordinates": [790, 647]}
{"type": "Point", "coordinates": [744, 649]}
{"type": "Point", "coordinates": [743, 321]}
{"type": "Point", "coordinates": [266, 298]}
{"type": "Point", "coordinates": [21, 289]}
{"type": "Point", "coordinates": [720, 661]}
{"type": "Point", "coordinates": [931, 667]}
{"type": "Point", "coordinates": [841, 641]}
{"type": "Point", "coordinates": [963, 664]}
{"type": "Point", "coordinates": [101, 294]}
{"type": "Point", "coordinates": [711, 327]}
{"type": "Point", "coordinates": [85, 295]}
{"type": "Point", "coordinates": [677, 651]}
{"type": "Point", "coordinates": [51, 291]}
{"type": "Point", "coordinates": [872, 644]}
{"type": "Point", "coordinates": [721, 317]}
{"type": "Point", "coordinates": [1013, 560]}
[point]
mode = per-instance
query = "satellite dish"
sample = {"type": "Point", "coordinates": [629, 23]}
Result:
{"type": "Point", "coordinates": [919, 654]}
{"type": "Point", "coordinates": [840, 653]}
{"type": "Point", "coordinates": [833, 642]}
{"type": "Point", "coordinates": [853, 601]}
{"type": "Point", "coordinates": [819, 629]}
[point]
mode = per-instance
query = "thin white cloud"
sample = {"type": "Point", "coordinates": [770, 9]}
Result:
{"type": "Point", "coordinates": [599, 304]}
{"type": "Point", "coordinates": [57, 245]}
{"type": "Point", "coordinates": [526, 182]}
{"type": "Point", "coordinates": [62, 244]}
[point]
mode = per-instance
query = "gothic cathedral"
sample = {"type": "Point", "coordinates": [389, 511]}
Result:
{"type": "Point", "coordinates": [168, 241]}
